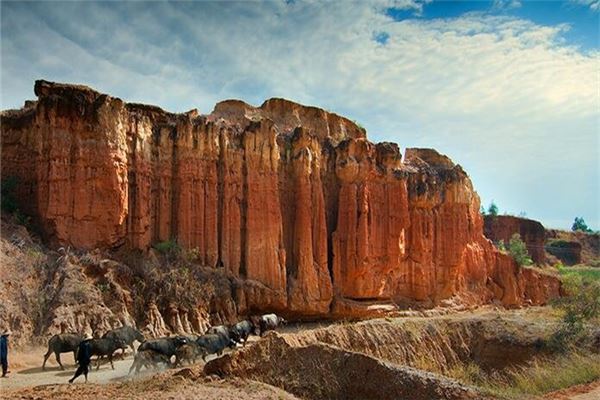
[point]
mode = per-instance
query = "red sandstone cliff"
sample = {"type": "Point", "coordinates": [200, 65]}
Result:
{"type": "Point", "coordinates": [294, 201]}
{"type": "Point", "coordinates": [533, 233]}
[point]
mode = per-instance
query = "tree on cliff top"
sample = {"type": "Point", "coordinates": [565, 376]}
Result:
{"type": "Point", "coordinates": [580, 225]}
{"type": "Point", "coordinates": [518, 250]}
{"type": "Point", "coordinates": [493, 209]}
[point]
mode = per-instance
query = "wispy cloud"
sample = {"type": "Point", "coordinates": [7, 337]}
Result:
{"type": "Point", "coordinates": [594, 5]}
{"type": "Point", "coordinates": [505, 97]}
{"type": "Point", "coordinates": [500, 5]}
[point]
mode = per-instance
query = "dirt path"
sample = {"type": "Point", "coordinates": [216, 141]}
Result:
{"type": "Point", "coordinates": [34, 376]}
{"type": "Point", "coordinates": [27, 372]}
{"type": "Point", "coordinates": [53, 375]}
{"type": "Point", "coordinates": [587, 391]}
{"type": "Point", "coordinates": [593, 395]}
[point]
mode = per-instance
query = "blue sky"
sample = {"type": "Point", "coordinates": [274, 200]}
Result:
{"type": "Point", "coordinates": [508, 89]}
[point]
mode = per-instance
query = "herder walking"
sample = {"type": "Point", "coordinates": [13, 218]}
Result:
{"type": "Point", "coordinates": [84, 356]}
{"type": "Point", "coordinates": [4, 352]}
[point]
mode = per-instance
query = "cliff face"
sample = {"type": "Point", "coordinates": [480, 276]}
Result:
{"type": "Point", "coordinates": [292, 200]}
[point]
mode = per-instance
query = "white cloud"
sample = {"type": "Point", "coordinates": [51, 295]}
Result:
{"type": "Point", "coordinates": [594, 5]}
{"type": "Point", "coordinates": [505, 97]}
{"type": "Point", "coordinates": [415, 5]}
{"type": "Point", "coordinates": [501, 5]}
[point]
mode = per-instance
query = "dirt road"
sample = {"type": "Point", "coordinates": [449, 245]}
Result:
{"type": "Point", "coordinates": [34, 376]}
{"type": "Point", "coordinates": [27, 372]}
{"type": "Point", "coordinates": [53, 375]}
{"type": "Point", "coordinates": [587, 391]}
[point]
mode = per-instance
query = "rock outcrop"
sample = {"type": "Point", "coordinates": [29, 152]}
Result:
{"type": "Point", "coordinates": [572, 248]}
{"type": "Point", "coordinates": [533, 233]}
{"type": "Point", "coordinates": [293, 203]}
{"type": "Point", "coordinates": [567, 252]}
{"type": "Point", "coordinates": [320, 371]}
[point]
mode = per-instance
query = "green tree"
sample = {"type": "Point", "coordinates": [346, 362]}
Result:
{"type": "Point", "coordinates": [580, 225]}
{"type": "Point", "coordinates": [493, 209]}
{"type": "Point", "coordinates": [501, 246]}
{"type": "Point", "coordinates": [518, 250]}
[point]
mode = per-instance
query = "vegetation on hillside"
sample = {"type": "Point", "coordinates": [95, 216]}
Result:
{"type": "Point", "coordinates": [584, 271]}
{"type": "Point", "coordinates": [568, 362]}
{"type": "Point", "coordinates": [175, 276]}
{"type": "Point", "coordinates": [543, 375]}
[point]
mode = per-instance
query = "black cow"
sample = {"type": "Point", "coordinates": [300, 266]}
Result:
{"type": "Point", "coordinates": [147, 358]}
{"type": "Point", "coordinates": [62, 343]}
{"type": "Point", "coordinates": [105, 347]}
{"type": "Point", "coordinates": [213, 343]}
{"type": "Point", "coordinates": [240, 331]}
{"type": "Point", "coordinates": [222, 330]}
{"type": "Point", "coordinates": [166, 346]}
{"type": "Point", "coordinates": [189, 352]}
{"type": "Point", "coordinates": [128, 334]}
{"type": "Point", "coordinates": [269, 322]}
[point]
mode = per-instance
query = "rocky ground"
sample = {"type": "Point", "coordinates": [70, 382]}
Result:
{"type": "Point", "coordinates": [159, 387]}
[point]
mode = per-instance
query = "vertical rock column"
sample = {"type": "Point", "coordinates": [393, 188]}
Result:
{"type": "Point", "coordinates": [309, 282]}
{"type": "Point", "coordinates": [369, 241]}
{"type": "Point", "coordinates": [232, 189]}
{"type": "Point", "coordinates": [264, 252]}
{"type": "Point", "coordinates": [196, 182]}
{"type": "Point", "coordinates": [141, 217]}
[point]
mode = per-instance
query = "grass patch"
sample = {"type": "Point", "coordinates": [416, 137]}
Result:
{"type": "Point", "coordinates": [167, 247]}
{"type": "Point", "coordinates": [539, 377]}
{"type": "Point", "coordinates": [584, 271]}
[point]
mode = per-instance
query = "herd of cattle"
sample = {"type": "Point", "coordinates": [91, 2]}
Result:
{"type": "Point", "coordinates": [151, 353]}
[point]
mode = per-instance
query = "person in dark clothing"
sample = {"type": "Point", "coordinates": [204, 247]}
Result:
{"type": "Point", "coordinates": [4, 352]}
{"type": "Point", "coordinates": [84, 357]}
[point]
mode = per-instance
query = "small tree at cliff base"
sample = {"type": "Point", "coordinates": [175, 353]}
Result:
{"type": "Point", "coordinates": [518, 250]}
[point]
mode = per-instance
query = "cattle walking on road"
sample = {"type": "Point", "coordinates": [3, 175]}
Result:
{"type": "Point", "coordinates": [147, 359]}
{"type": "Point", "coordinates": [105, 347]}
{"type": "Point", "coordinates": [269, 322]}
{"type": "Point", "coordinates": [62, 343]}
{"type": "Point", "coordinates": [128, 334]}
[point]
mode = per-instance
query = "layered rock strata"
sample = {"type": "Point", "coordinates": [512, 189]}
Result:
{"type": "Point", "coordinates": [294, 203]}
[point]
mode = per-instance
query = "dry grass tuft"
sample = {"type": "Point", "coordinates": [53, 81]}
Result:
{"type": "Point", "coordinates": [542, 375]}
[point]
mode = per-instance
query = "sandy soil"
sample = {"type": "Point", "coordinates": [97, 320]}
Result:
{"type": "Point", "coordinates": [160, 387]}
{"type": "Point", "coordinates": [34, 376]}
{"type": "Point", "coordinates": [588, 391]}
